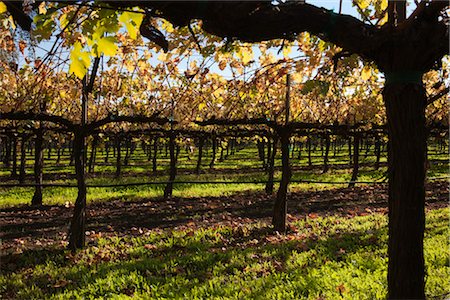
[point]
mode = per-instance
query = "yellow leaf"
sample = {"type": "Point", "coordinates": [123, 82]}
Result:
{"type": "Point", "coordinates": [42, 8]}
{"type": "Point", "coordinates": [217, 92]}
{"type": "Point", "coordinates": [142, 65]}
{"type": "Point", "coordinates": [107, 45]}
{"type": "Point", "coordinates": [63, 21]}
{"type": "Point", "coordinates": [201, 106]}
{"type": "Point", "coordinates": [297, 77]}
{"type": "Point", "coordinates": [364, 4]}
{"type": "Point", "coordinates": [11, 22]}
{"type": "Point", "coordinates": [2, 7]}
{"type": "Point", "coordinates": [162, 57]}
{"type": "Point", "coordinates": [246, 55]}
{"type": "Point", "coordinates": [130, 67]}
{"type": "Point", "coordinates": [384, 20]}
{"type": "Point", "coordinates": [132, 21]}
{"type": "Point", "coordinates": [384, 4]}
{"type": "Point", "coordinates": [167, 26]}
{"type": "Point", "coordinates": [366, 73]}
{"type": "Point", "coordinates": [322, 46]}
{"type": "Point", "coordinates": [79, 60]}
{"type": "Point", "coordinates": [286, 51]}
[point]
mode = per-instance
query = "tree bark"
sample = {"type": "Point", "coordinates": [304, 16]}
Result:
{"type": "Point", "coordinates": [261, 154]}
{"type": "Point", "coordinates": [127, 151]}
{"type": "Point", "coordinates": [350, 149]}
{"type": "Point", "coordinates": [149, 150]}
{"type": "Point", "coordinates": [309, 151]}
{"type": "Point", "coordinates": [106, 152]}
{"type": "Point", "coordinates": [377, 151]}
{"type": "Point", "coordinates": [335, 143]}
{"type": "Point", "coordinates": [118, 157]}
{"type": "Point", "coordinates": [14, 157]}
{"type": "Point", "coordinates": [222, 150]}
{"type": "Point", "coordinates": [271, 165]}
{"type": "Point", "coordinates": [155, 153]}
{"type": "Point", "coordinates": [71, 154]}
{"type": "Point", "coordinates": [356, 139]}
{"type": "Point", "coordinates": [22, 159]}
{"type": "Point", "coordinates": [93, 153]}
{"type": "Point", "coordinates": [327, 151]}
{"type": "Point", "coordinates": [38, 167]}
{"type": "Point", "coordinates": [173, 168]}
{"type": "Point", "coordinates": [405, 109]}
{"type": "Point", "coordinates": [201, 141]}
{"type": "Point", "coordinates": [7, 156]}
{"type": "Point", "coordinates": [299, 151]}
{"type": "Point", "coordinates": [58, 153]}
{"type": "Point", "coordinates": [77, 237]}
{"type": "Point", "coordinates": [280, 208]}
{"type": "Point", "coordinates": [214, 150]}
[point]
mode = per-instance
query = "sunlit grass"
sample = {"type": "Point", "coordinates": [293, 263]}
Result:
{"type": "Point", "coordinates": [242, 166]}
{"type": "Point", "coordinates": [322, 257]}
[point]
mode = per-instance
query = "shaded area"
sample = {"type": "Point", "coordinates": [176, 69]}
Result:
{"type": "Point", "coordinates": [249, 260]}
{"type": "Point", "coordinates": [48, 224]}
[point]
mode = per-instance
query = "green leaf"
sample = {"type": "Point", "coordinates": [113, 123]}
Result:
{"type": "Point", "coordinates": [79, 60]}
{"type": "Point", "coordinates": [45, 27]}
{"type": "Point", "coordinates": [321, 86]}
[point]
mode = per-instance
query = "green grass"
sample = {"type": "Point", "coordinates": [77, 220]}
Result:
{"type": "Point", "coordinates": [243, 165]}
{"type": "Point", "coordinates": [323, 257]}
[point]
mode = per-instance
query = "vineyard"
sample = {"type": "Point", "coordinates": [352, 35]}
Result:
{"type": "Point", "coordinates": [273, 150]}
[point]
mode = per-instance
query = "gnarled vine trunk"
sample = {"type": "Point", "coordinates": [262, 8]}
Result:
{"type": "Point", "coordinates": [77, 237]}
{"type": "Point", "coordinates": [173, 168]}
{"type": "Point", "coordinates": [118, 157]}
{"type": "Point", "coordinates": [214, 150]}
{"type": "Point", "coordinates": [271, 165]}
{"type": "Point", "coordinates": [38, 167]}
{"type": "Point", "coordinates": [23, 162]}
{"type": "Point", "coordinates": [280, 208]}
{"type": "Point", "coordinates": [201, 141]}
{"type": "Point", "coordinates": [93, 154]}
{"type": "Point", "coordinates": [405, 109]}
{"type": "Point", "coordinates": [327, 151]}
{"type": "Point", "coordinates": [14, 157]}
{"type": "Point", "coordinates": [355, 170]}
{"type": "Point", "coordinates": [155, 154]}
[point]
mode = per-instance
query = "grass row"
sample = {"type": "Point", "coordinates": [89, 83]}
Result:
{"type": "Point", "coordinates": [246, 167]}
{"type": "Point", "coordinates": [321, 258]}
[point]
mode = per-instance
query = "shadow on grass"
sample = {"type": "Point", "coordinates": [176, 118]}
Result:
{"type": "Point", "coordinates": [186, 264]}
{"type": "Point", "coordinates": [137, 212]}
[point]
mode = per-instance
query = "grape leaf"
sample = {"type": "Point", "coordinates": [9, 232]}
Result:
{"type": "Point", "coordinates": [107, 45]}
{"type": "Point", "coordinates": [2, 7]}
{"type": "Point", "coordinates": [79, 61]}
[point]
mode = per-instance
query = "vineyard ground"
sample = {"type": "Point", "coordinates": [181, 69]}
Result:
{"type": "Point", "coordinates": [242, 166]}
{"type": "Point", "coordinates": [214, 240]}
{"type": "Point", "coordinates": [210, 246]}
